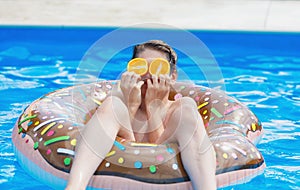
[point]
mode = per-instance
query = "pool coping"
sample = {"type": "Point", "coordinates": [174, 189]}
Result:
{"type": "Point", "coordinates": [234, 15]}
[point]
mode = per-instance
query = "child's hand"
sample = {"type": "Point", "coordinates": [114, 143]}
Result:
{"type": "Point", "coordinates": [157, 92]}
{"type": "Point", "coordinates": [131, 89]}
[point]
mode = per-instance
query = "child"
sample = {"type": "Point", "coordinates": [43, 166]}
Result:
{"type": "Point", "coordinates": [140, 111]}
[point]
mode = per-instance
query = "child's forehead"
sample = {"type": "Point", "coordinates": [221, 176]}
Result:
{"type": "Point", "coordinates": [152, 54]}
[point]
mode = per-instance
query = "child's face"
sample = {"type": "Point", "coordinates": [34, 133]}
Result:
{"type": "Point", "coordinates": [150, 55]}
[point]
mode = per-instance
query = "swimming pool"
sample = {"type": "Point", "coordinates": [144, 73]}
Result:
{"type": "Point", "coordinates": [260, 69]}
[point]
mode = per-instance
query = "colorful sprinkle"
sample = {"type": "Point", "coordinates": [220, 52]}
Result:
{"type": "Point", "coordinates": [76, 107]}
{"type": "Point", "coordinates": [159, 158]}
{"type": "Point", "coordinates": [36, 145]}
{"type": "Point", "coordinates": [143, 145]}
{"type": "Point", "coordinates": [73, 142]}
{"type": "Point", "coordinates": [197, 98]}
{"type": "Point", "coordinates": [20, 130]}
{"type": "Point", "coordinates": [29, 123]}
{"type": "Point", "coordinates": [231, 100]}
{"type": "Point", "coordinates": [67, 161]}
{"type": "Point", "coordinates": [171, 150]}
{"type": "Point", "coordinates": [192, 92]}
{"type": "Point", "coordinates": [82, 94]}
{"type": "Point", "coordinates": [96, 101]}
{"type": "Point", "coordinates": [119, 146]}
{"type": "Point", "coordinates": [23, 135]}
{"type": "Point", "coordinates": [204, 112]}
{"type": "Point", "coordinates": [111, 153]}
{"type": "Point", "coordinates": [175, 166]}
{"type": "Point", "coordinates": [63, 94]}
{"type": "Point", "coordinates": [253, 127]}
{"type": "Point", "coordinates": [56, 139]}
{"type": "Point", "coordinates": [218, 114]}
{"type": "Point", "coordinates": [121, 160]}
{"type": "Point", "coordinates": [215, 101]}
{"type": "Point", "coordinates": [136, 152]}
{"type": "Point", "coordinates": [65, 151]}
{"type": "Point", "coordinates": [225, 155]}
{"type": "Point", "coordinates": [48, 151]}
{"type": "Point", "coordinates": [235, 148]}
{"type": "Point", "coordinates": [232, 109]}
{"type": "Point", "coordinates": [46, 122]}
{"type": "Point", "coordinates": [152, 169]}
{"type": "Point", "coordinates": [47, 128]}
{"type": "Point", "coordinates": [107, 164]}
{"type": "Point", "coordinates": [228, 122]}
{"type": "Point", "coordinates": [234, 156]}
{"type": "Point", "coordinates": [50, 133]}
{"type": "Point", "coordinates": [98, 85]}
{"type": "Point", "coordinates": [202, 105]}
{"type": "Point", "coordinates": [177, 96]}
{"type": "Point", "coordinates": [26, 119]}
{"type": "Point", "coordinates": [206, 124]}
{"type": "Point", "coordinates": [138, 164]}
{"type": "Point", "coordinates": [108, 86]}
{"type": "Point", "coordinates": [182, 87]}
{"type": "Point", "coordinates": [57, 105]}
{"type": "Point", "coordinates": [36, 123]}
{"type": "Point", "coordinates": [258, 155]}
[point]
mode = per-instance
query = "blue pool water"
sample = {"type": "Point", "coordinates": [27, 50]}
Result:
{"type": "Point", "coordinates": [259, 69]}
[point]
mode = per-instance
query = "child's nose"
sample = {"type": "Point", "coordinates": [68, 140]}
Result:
{"type": "Point", "coordinates": [147, 75]}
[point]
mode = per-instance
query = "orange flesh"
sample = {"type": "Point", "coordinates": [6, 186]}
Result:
{"type": "Point", "coordinates": [159, 66]}
{"type": "Point", "coordinates": [138, 65]}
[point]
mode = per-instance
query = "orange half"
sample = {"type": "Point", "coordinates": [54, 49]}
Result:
{"type": "Point", "coordinates": [138, 65]}
{"type": "Point", "coordinates": [159, 66]}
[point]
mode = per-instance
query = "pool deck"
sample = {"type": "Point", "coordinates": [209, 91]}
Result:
{"type": "Point", "coordinates": [257, 15]}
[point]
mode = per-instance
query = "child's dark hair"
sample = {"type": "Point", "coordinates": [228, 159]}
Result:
{"type": "Point", "coordinates": [160, 46]}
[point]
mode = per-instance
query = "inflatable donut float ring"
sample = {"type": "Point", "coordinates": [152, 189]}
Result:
{"type": "Point", "coordinates": [46, 133]}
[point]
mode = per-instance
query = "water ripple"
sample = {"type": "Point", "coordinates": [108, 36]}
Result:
{"type": "Point", "coordinates": [73, 79]}
{"type": "Point", "coordinates": [39, 72]}
{"type": "Point", "coordinates": [8, 83]}
{"type": "Point", "coordinates": [7, 171]}
{"type": "Point", "coordinates": [16, 52]}
{"type": "Point", "coordinates": [280, 130]}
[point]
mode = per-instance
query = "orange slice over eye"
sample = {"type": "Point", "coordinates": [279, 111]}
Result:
{"type": "Point", "coordinates": [159, 66]}
{"type": "Point", "coordinates": [138, 65]}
